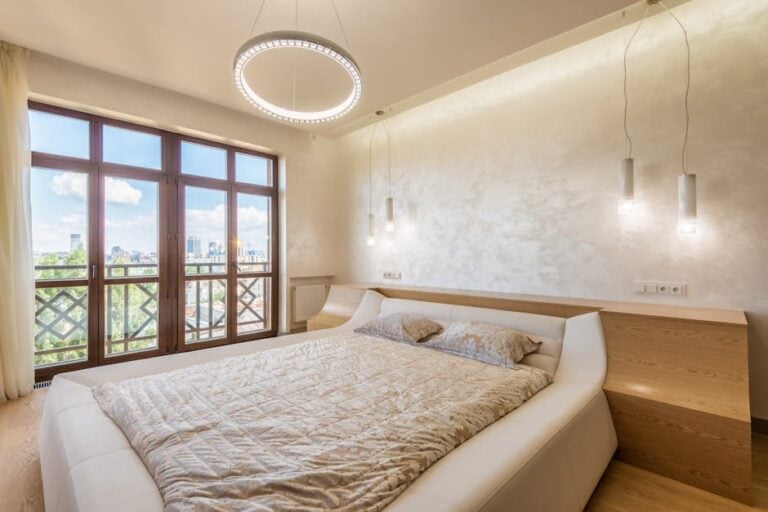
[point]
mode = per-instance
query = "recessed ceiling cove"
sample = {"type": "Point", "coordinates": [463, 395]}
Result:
{"type": "Point", "coordinates": [408, 51]}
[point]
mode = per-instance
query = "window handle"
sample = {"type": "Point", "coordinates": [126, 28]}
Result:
{"type": "Point", "coordinates": [94, 271]}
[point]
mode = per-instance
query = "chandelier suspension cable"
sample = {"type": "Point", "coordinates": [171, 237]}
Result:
{"type": "Point", "coordinates": [296, 27]}
{"type": "Point", "coordinates": [258, 16]}
{"type": "Point", "coordinates": [626, 95]}
{"type": "Point", "coordinates": [341, 25]}
{"type": "Point", "coordinates": [684, 155]}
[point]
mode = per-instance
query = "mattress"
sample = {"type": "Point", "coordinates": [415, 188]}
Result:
{"type": "Point", "coordinates": [547, 455]}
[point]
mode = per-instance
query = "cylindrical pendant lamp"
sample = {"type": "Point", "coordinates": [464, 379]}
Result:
{"type": "Point", "coordinates": [371, 230]}
{"type": "Point", "coordinates": [686, 197]}
{"type": "Point", "coordinates": [390, 226]}
{"type": "Point", "coordinates": [626, 186]}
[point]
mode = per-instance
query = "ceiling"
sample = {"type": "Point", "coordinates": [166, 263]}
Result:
{"type": "Point", "coordinates": [403, 47]}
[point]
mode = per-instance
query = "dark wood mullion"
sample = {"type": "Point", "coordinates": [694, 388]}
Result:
{"type": "Point", "coordinates": [61, 162]}
{"type": "Point", "coordinates": [127, 171]}
{"type": "Point", "coordinates": [132, 280]}
{"type": "Point", "coordinates": [203, 182]}
{"type": "Point", "coordinates": [274, 257]}
{"type": "Point", "coordinates": [180, 325]}
{"type": "Point", "coordinates": [172, 255]}
{"type": "Point", "coordinates": [95, 237]}
{"type": "Point", "coordinates": [63, 283]}
{"type": "Point", "coordinates": [255, 274]}
{"type": "Point", "coordinates": [207, 277]}
{"type": "Point", "coordinates": [256, 190]}
{"type": "Point", "coordinates": [127, 125]}
{"type": "Point", "coordinates": [62, 111]}
{"type": "Point", "coordinates": [231, 306]}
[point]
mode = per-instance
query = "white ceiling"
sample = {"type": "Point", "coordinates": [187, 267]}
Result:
{"type": "Point", "coordinates": [403, 47]}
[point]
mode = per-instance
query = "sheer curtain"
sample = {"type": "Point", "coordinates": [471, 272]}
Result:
{"type": "Point", "coordinates": [17, 286]}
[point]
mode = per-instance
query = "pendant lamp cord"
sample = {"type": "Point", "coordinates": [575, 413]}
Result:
{"type": "Point", "coordinates": [389, 160]}
{"type": "Point", "coordinates": [341, 25]}
{"type": "Point", "coordinates": [626, 95]}
{"type": "Point", "coordinates": [370, 170]}
{"type": "Point", "coordinates": [684, 155]}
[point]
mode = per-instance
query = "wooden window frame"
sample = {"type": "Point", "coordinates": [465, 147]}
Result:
{"type": "Point", "coordinates": [171, 278]}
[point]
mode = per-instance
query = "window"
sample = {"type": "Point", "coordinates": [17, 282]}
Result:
{"type": "Point", "coordinates": [146, 242]}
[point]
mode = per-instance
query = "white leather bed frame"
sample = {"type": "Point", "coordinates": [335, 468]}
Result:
{"type": "Point", "coordinates": [547, 455]}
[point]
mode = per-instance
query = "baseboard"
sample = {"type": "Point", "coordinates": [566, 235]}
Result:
{"type": "Point", "coordinates": [760, 425]}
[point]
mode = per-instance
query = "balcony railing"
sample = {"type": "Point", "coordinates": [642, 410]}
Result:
{"type": "Point", "coordinates": [131, 309]}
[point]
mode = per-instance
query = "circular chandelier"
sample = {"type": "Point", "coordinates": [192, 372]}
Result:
{"type": "Point", "coordinates": [272, 41]}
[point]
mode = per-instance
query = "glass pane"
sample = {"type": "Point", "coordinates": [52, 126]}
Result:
{"type": "Point", "coordinates": [205, 231]}
{"type": "Point", "coordinates": [130, 227]}
{"type": "Point", "coordinates": [252, 300]}
{"type": "Point", "coordinates": [61, 325]}
{"type": "Point", "coordinates": [59, 224]}
{"type": "Point", "coordinates": [205, 310]}
{"type": "Point", "coordinates": [59, 135]}
{"type": "Point", "coordinates": [253, 231]}
{"type": "Point", "coordinates": [253, 169]}
{"type": "Point", "coordinates": [131, 147]}
{"type": "Point", "coordinates": [201, 160]}
{"type": "Point", "coordinates": [130, 317]}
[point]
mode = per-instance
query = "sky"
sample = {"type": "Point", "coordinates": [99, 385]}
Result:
{"type": "Point", "coordinates": [59, 198]}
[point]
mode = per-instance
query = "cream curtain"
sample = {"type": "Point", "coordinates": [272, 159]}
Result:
{"type": "Point", "coordinates": [17, 286]}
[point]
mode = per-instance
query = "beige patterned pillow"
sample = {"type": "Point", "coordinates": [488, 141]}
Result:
{"type": "Point", "coordinates": [401, 327]}
{"type": "Point", "coordinates": [492, 344]}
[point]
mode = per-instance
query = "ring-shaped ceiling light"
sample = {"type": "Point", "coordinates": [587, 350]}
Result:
{"type": "Point", "coordinates": [301, 40]}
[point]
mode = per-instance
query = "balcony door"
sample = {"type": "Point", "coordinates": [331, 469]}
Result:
{"type": "Point", "coordinates": [146, 242]}
{"type": "Point", "coordinates": [226, 224]}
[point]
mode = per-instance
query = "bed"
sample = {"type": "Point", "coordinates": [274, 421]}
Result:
{"type": "Point", "coordinates": [546, 455]}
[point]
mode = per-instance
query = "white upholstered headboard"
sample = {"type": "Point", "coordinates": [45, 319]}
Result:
{"type": "Point", "coordinates": [550, 327]}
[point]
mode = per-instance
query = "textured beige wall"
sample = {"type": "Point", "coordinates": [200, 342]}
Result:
{"type": "Point", "coordinates": [511, 184]}
{"type": "Point", "coordinates": [308, 162]}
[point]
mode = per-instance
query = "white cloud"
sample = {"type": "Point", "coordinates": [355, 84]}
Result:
{"type": "Point", "coordinates": [74, 185]}
{"type": "Point", "coordinates": [69, 184]}
{"type": "Point", "coordinates": [210, 225]}
{"type": "Point", "coordinates": [121, 192]}
{"type": "Point", "coordinates": [252, 218]}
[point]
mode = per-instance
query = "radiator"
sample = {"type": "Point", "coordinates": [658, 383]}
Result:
{"type": "Point", "coordinates": [308, 300]}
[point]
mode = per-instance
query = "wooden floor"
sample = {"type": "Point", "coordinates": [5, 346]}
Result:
{"type": "Point", "coordinates": [624, 488]}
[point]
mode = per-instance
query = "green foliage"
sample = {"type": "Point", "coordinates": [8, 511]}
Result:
{"type": "Point", "coordinates": [62, 313]}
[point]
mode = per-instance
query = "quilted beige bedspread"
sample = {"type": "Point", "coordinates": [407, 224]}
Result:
{"type": "Point", "coordinates": [345, 422]}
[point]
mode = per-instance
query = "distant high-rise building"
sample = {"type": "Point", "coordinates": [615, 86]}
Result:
{"type": "Point", "coordinates": [194, 246]}
{"type": "Point", "coordinates": [75, 242]}
{"type": "Point", "coordinates": [213, 249]}
{"type": "Point", "coordinates": [116, 252]}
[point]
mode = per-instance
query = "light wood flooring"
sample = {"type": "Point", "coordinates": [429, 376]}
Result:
{"type": "Point", "coordinates": [624, 488]}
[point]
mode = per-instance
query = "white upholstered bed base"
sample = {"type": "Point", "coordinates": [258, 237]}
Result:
{"type": "Point", "coordinates": [547, 455]}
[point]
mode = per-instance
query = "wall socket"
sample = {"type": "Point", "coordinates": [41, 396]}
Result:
{"type": "Point", "coordinates": [653, 288]}
{"type": "Point", "coordinates": [393, 275]}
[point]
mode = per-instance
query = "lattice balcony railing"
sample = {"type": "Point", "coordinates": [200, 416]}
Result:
{"type": "Point", "coordinates": [131, 310]}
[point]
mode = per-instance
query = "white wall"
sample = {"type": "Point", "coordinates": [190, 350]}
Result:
{"type": "Point", "coordinates": [308, 162]}
{"type": "Point", "coordinates": [511, 184]}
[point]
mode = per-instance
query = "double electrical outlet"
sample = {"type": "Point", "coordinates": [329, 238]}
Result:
{"type": "Point", "coordinates": [649, 288]}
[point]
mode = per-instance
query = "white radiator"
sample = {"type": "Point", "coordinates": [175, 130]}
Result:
{"type": "Point", "coordinates": [308, 300]}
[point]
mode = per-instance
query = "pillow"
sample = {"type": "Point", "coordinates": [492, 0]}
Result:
{"type": "Point", "coordinates": [492, 344]}
{"type": "Point", "coordinates": [401, 327]}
